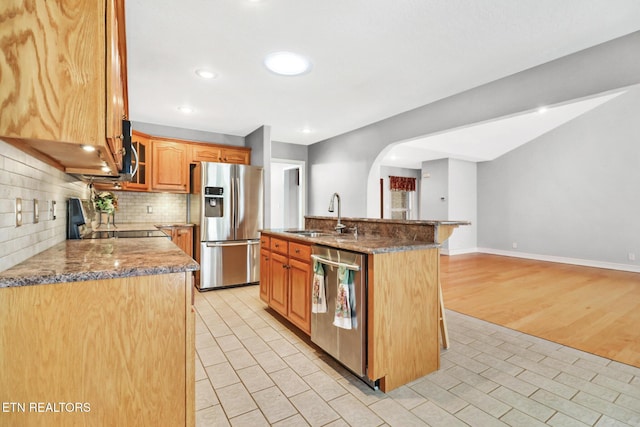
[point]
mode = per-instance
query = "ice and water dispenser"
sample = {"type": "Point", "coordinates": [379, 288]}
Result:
{"type": "Point", "coordinates": [213, 202]}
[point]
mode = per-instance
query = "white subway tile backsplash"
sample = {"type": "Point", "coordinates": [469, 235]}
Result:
{"type": "Point", "coordinates": [28, 178]}
{"type": "Point", "coordinates": [167, 208]}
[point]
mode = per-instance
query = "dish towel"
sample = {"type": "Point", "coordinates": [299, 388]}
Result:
{"type": "Point", "coordinates": [345, 316]}
{"type": "Point", "coordinates": [318, 294]}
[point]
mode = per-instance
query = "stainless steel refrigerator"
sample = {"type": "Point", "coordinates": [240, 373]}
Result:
{"type": "Point", "coordinates": [230, 211]}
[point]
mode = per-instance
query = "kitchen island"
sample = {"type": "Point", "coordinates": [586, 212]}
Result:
{"type": "Point", "coordinates": [99, 332]}
{"type": "Point", "coordinates": [403, 291]}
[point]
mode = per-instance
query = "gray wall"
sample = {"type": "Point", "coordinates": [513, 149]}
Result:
{"type": "Point", "coordinates": [188, 134]}
{"type": "Point", "coordinates": [343, 163]}
{"type": "Point", "coordinates": [450, 192]}
{"type": "Point", "coordinates": [284, 150]}
{"type": "Point", "coordinates": [260, 143]}
{"type": "Point", "coordinates": [434, 189]}
{"type": "Point", "coordinates": [573, 192]}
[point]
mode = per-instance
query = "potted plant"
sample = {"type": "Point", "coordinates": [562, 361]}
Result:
{"type": "Point", "coordinates": [106, 203]}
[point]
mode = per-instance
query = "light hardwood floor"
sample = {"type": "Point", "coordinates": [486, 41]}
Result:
{"type": "Point", "coordinates": [591, 309]}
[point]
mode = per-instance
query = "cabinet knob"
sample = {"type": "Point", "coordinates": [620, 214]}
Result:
{"type": "Point", "coordinates": [297, 251]}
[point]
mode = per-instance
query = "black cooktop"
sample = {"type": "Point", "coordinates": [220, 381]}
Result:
{"type": "Point", "coordinates": [124, 234]}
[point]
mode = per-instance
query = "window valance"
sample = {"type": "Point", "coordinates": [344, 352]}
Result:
{"type": "Point", "coordinates": [402, 183]}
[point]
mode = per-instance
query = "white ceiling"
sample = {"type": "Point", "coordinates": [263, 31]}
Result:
{"type": "Point", "coordinates": [372, 59]}
{"type": "Point", "coordinates": [488, 141]}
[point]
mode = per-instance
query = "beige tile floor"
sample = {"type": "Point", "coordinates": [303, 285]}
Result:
{"type": "Point", "coordinates": [252, 369]}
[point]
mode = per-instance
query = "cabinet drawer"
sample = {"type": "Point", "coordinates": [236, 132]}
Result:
{"type": "Point", "coordinates": [265, 242]}
{"type": "Point", "coordinates": [300, 251]}
{"type": "Point", "coordinates": [279, 245]}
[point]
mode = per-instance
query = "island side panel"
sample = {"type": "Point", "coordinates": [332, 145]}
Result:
{"type": "Point", "coordinates": [117, 345]}
{"type": "Point", "coordinates": [190, 350]}
{"type": "Point", "coordinates": [403, 316]}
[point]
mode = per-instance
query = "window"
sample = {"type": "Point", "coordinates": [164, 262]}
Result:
{"type": "Point", "coordinates": [402, 189]}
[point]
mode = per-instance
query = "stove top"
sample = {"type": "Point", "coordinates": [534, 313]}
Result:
{"type": "Point", "coordinates": [125, 234]}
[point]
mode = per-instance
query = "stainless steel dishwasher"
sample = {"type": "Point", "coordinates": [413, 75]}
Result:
{"type": "Point", "coordinates": [348, 346]}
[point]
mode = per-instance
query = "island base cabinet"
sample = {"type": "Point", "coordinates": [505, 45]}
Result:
{"type": "Point", "coordinates": [98, 353]}
{"type": "Point", "coordinates": [402, 323]}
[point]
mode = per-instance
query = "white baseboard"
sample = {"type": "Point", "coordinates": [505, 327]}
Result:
{"type": "Point", "coordinates": [451, 252]}
{"type": "Point", "coordinates": [561, 260]}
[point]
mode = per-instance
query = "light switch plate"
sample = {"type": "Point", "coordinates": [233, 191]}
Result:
{"type": "Point", "coordinates": [18, 211]}
{"type": "Point", "coordinates": [53, 209]}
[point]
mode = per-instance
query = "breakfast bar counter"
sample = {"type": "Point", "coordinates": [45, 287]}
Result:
{"type": "Point", "coordinates": [105, 325]}
{"type": "Point", "coordinates": [95, 259]}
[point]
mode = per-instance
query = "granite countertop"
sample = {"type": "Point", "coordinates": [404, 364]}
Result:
{"type": "Point", "coordinates": [141, 226]}
{"type": "Point", "coordinates": [395, 221]}
{"type": "Point", "coordinates": [96, 259]}
{"type": "Point", "coordinates": [368, 244]}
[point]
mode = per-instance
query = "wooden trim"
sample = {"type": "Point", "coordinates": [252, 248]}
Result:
{"type": "Point", "coordinates": [381, 198]}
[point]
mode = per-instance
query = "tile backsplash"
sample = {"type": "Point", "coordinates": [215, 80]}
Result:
{"type": "Point", "coordinates": [22, 176]}
{"type": "Point", "coordinates": [133, 207]}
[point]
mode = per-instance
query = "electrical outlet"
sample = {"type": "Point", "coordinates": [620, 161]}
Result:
{"type": "Point", "coordinates": [36, 211]}
{"type": "Point", "coordinates": [53, 209]}
{"type": "Point", "coordinates": [18, 211]}
{"type": "Point", "coordinates": [632, 256]}
{"type": "Point", "coordinates": [149, 209]}
{"type": "Point", "coordinates": [514, 245]}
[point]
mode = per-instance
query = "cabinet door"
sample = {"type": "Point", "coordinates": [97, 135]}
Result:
{"type": "Point", "coordinates": [115, 87]}
{"type": "Point", "coordinates": [265, 274]}
{"type": "Point", "coordinates": [183, 238]}
{"type": "Point", "coordinates": [279, 292]}
{"type": "Point", "coordinates": [203, 153]}
{"type": "Point", "coordinates": [63, 84]}
{"type": "Point", "coordinates": [170, 169]}
{"type": "Point", "coordinates": [300, 294]}
{"type": "Point", "coordinates": [140, 181]}
{"type": "Point", "coordinates": [231, 155]}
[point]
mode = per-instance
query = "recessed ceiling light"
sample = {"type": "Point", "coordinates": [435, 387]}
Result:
{"type": "Point", "coordinates": [306, 130]}
{"type": "Point", "coordinates": [206, 74]}
{"type": "Point", "coordinates": [89, 148]}
{"type": "Point", "coordinates": [185, 109]}
{"type": "Point", "coordinates": [542, 110]}
{"type": "Point", "coordinates": [287, 63]}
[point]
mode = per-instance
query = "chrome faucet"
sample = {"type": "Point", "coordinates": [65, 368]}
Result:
{"type": "Point", "coordinates": [339, 226]}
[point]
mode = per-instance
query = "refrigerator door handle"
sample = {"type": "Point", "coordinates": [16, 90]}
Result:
{"type": "Point", "coordinates": [240, 243]}
{"type": "Point", "coordinates": [234, 204]}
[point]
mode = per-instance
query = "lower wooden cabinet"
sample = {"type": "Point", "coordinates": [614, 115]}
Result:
{"type": "Point", "coordinates": [279, 294]}
{"type": "Point", "coordinates": [182, 236]}
{"type": "Point", "coordinates": [122, 349]}
{"type": "Point", "coordinates": [285, 279]}
{"type": "Point", "coordinates": [300, 294]}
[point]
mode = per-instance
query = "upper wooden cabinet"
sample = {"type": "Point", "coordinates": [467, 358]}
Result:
{"type": "Point", "coordinates": [170, 167]}
{"type": "Point", "coordinates": [64, 83]}
{"type": "Point", "coordinates": [235, 155]}
{"type": "Point", "coordinates": [215, 153]}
